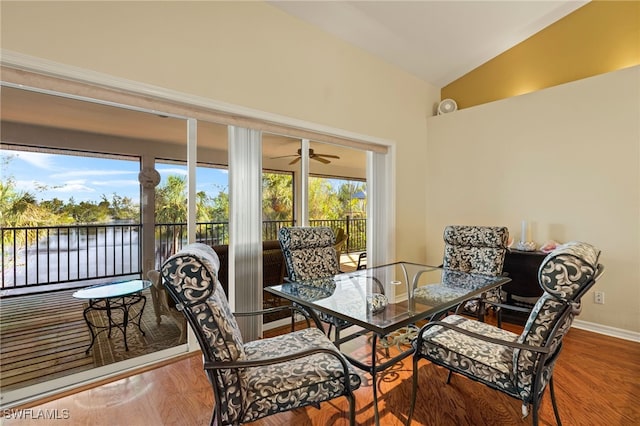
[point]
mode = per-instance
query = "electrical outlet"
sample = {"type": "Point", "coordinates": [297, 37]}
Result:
{"type": "Point", "coordinates": [598, 297]}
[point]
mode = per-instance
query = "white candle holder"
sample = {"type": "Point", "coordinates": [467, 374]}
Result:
{"type": "Point", "coordinates": [526, 246]}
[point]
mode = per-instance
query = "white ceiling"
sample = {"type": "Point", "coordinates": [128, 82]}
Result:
{"type": "Point", "coordinates": [438, 41]}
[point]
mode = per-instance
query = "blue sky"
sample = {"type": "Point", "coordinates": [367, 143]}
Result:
{"type": "Point", "coordinates": [49, 176]}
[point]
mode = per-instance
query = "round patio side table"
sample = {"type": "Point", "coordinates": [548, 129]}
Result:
{"type": "Point", "coordinates": [110, 297]}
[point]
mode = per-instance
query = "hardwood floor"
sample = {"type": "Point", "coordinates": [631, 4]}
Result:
{"type": "Point", "coordinates": [597, 383]}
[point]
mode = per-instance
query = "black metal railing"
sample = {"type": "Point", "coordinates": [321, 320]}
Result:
{"type": "Point", "coordinates": [37, 256]}
{"type": "Point", "coordinates": [33, 256]}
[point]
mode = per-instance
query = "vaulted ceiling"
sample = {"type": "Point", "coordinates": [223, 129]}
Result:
{"type": "Point", "coordinates": [438, 41]}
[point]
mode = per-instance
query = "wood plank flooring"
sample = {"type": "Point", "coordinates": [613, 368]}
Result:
{"type": "Point", "coordinates": [43, 336]}
{"type": "Point", "coordinates": [597, 383]}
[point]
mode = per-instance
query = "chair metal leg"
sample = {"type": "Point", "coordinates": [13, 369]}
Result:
{"type": "Point", "coordinates": [214, 417]}
{"type": "Point", "coordinates": [449, 376]}
{"type": "Point", "coordinates": [482, 309]}
{"type": "Point", "coordinates": [414, 390]}
{"type": "Point", "coordinates": [352, 409]}
{"type": "Point", "coordinates": [553, 402]}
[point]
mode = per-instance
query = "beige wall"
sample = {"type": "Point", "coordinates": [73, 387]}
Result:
{"type": "Point", "coordinates": [245, 53]}
{"type": "Point", "coordinates": [567, 159]}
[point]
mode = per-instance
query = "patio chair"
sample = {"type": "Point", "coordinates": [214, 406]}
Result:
{"type": "Point", "coordinates": [341, 241]}
{"type": "Point", "coordinates": [518, 365]}
{"type": "Point", "coordinates": [362, 261]}
{"type": "Point", "coordinates": [252, 380]}
{"type": "Point", "coordinates": [474, 249]}
{"type": "Point", "coordinates": [164, 305]}
{"type": "Point", "coordinates": [309, 254]}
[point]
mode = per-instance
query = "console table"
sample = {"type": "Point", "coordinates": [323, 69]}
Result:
{"type": "Point", "coordinates": [523, 289]}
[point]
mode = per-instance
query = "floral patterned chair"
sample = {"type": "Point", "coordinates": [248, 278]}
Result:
{"type": "Point", "coordinates": [473, 249]}
{"type": "Point", "coordinates": [309, 253]}
{"type": "Point", "coordinates": [518, 365]}
{"type": "Point", "coordinates": [255, 379]}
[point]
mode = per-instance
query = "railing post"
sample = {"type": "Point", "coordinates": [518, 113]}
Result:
{"type": "Point", "coordinates": [348, 232]}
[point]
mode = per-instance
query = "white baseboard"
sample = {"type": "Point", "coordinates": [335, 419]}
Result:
{"type": "Point", "coordinates": [607, 330]}
{"type": "Point", "coordinates": [275, 324]}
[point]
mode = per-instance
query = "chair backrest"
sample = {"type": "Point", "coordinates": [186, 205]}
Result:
{"type": "Point", "coordinates": [565, 275]}
{"type": "Point", "coordinates": [341, 240]}
{"type": "Point", "coordinates": [309, 252]}
{"type": "Point", "coordinates": [475, 249]}
{"type": "Point", "coordinates": [190, 278]}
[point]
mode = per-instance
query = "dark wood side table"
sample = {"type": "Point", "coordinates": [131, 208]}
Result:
{"type": "Point", "coordinates": [523, 289]}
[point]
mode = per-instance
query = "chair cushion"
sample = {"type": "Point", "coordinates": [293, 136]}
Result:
{"type": "Point", "coordinates": [476, 236]}
{"type": "Point", "coordinates": [317, 289]}
{"type": "Point", "coordinates": [303, 381]}
{"type": "Point", "coordinates": [492, 364]}
{"type": "Point", "coordinates": [309, 252]}
{"type": "Point", "coordinates": [436, 294]}
{"type": "Point", "coordinates": [455, 284]}
{"type": "Point", "coordinates": [568, 268]}
{"type": "Point", "coordinates": [476, 249]}
{"type": "Point", "coordinates": [314, 263]}
{"type": "Point", "coordinates": [192, 274]}
{"type": "Point", "coordinates": [298, 237]}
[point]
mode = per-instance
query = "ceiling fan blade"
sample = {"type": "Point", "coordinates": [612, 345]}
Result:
{"type": "Point", "coordinates": [328, 156]}
{"type": "Point", "coordinates": [295, 161]}
{"type": "Point", "coordinates": [283, 156]}
{"type": "Point", "coordinates": [320, 159]}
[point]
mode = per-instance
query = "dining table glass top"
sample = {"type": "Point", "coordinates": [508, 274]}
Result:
{"type": "Point", "coordinates": [411, 292]}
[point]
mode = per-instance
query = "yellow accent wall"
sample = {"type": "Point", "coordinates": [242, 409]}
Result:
{"type": "Point", "coordinates": [600, 37]}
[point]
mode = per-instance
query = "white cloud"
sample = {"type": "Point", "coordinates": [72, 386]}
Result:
{"type": "Point", "coordinates": [72, 187]}
{"type": "Point", "coordinates": [37, 159]}
{"type": "Point", "coordinates": [173, 171]}
{"type": "Point", "coordinates": [27, 185]}
{"type": "Point", "coordinates": [90, 173]}
{"type": "Point", "coordinates": [116, 184]}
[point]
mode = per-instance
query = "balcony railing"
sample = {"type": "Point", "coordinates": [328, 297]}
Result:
{"type": "Point", "coordinates": [37, 256]}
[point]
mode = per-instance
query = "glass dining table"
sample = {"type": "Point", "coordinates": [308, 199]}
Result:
{"type": "Point", "coordinates": [384, 300]}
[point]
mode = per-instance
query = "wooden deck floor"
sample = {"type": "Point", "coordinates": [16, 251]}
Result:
{"type": "Point", "coordinates": [42, 337]}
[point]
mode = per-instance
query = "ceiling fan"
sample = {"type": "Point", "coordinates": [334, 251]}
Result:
{"type": "Point", "coordinates": [323, 158]}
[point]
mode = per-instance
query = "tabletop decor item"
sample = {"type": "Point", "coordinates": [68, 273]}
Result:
{"type": "Point", "coordinates": [525, 243]}
{"type": "Point", "coordinates": [377, 302]}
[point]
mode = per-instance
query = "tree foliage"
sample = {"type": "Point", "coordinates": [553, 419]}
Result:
{"type": "Point", "coordinates": [21, 209]}
{"type": "Point", "coordinates": [171, 202]}
{"type": "Point", "coordinates": [277, 196]}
